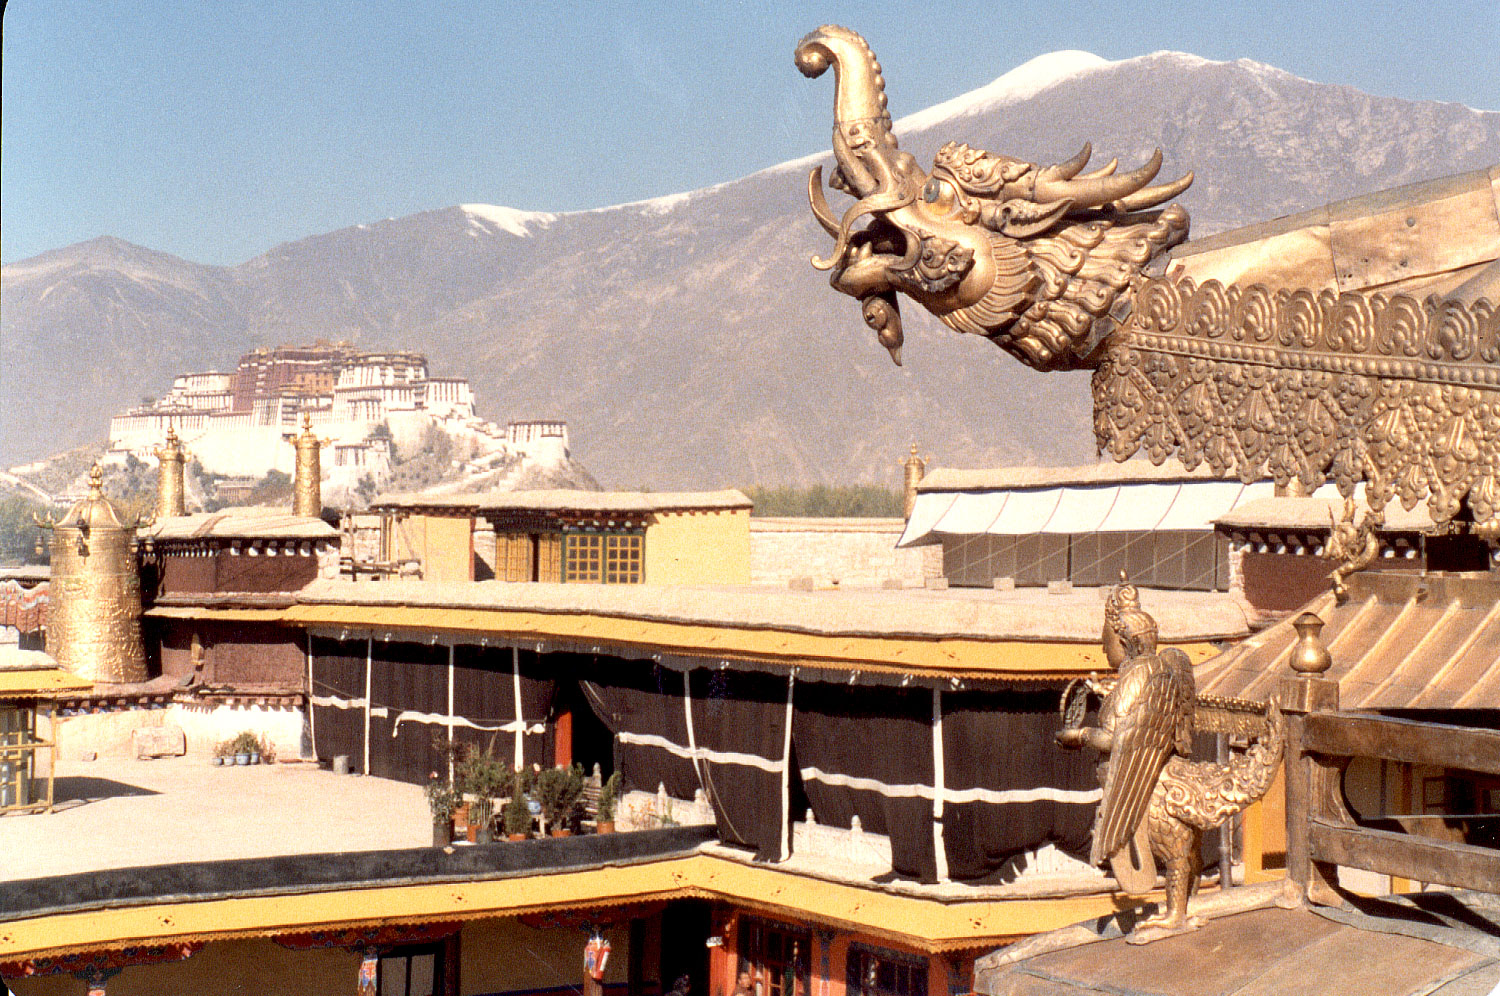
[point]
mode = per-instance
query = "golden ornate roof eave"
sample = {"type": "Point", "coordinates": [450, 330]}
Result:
{"type": "Point", "coordinates": [1400, 393]}
{"type": "Point", "coordinates": [1050, 263]}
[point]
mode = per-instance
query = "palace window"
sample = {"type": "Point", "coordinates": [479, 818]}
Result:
{"type": "Point", "coordinates": [775, 956]}
{"type": "Point", "coordinates": [528, 556]}
{"type": "Point", "coordinates": [412, 971]}
{"type": "Point", "coordinates": [602, 558]}
{"type": "Point", "coordinates": [875, 971]}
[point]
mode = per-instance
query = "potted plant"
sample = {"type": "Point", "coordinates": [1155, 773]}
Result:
{"type": "Point", "coordinates": [558, 790]}
{"type": "Point", "coordinates": [267, 750]}
{"type": "Point", "coordinates": [480, 778]}
{"type": "Point", "coordinates": [517, 816]}
{"type": "Point", "coordinates": [442, 799]}
{"type": "Point", "coordinates": [609, 794]}
{"type": "Point", "coordinates": [223, 753]}
{"type": "Point", "coordinates": [482, 815]}
{"type": "Point", "coordinates": [242, 746]}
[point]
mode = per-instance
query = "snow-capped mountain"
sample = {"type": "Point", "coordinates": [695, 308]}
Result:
{"type": "Point", "coordinates": [686, 339]}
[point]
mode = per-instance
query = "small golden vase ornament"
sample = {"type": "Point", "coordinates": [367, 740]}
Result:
{"type": "Point", "coordinates": [1309, 656]}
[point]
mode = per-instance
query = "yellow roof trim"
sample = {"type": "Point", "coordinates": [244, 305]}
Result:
{"type": "Point", "coordinates": [925, 924]}
{"type": "Point", "coordinates": [41, 682]}
{"type": "Point", "coordinates": [945, 657]}
{"type": "Point", "coordinates": [962, 657]}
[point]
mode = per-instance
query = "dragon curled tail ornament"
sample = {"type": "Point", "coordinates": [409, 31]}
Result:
{"type": "Point", "coordinates": [1158, 801]}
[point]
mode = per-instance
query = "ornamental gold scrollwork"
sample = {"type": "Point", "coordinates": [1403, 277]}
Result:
{"type": "Point", "coordinates": [1399, 393]}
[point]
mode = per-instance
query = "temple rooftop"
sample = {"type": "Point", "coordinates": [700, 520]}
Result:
{"type": "Point", "coordinates": [1024, 633]}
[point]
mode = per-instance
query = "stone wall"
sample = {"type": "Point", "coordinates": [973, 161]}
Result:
{"type": "Point", "coordinates": [854, 552]}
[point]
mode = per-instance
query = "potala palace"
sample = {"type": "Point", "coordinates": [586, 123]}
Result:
{"type": "Point", "coordinates": [368, 405]}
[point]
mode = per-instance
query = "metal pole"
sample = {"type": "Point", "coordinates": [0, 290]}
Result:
{"type": "Point", "coordinates": [369, 664]}
{"type": "Point", "coordinates": [1226, 829]}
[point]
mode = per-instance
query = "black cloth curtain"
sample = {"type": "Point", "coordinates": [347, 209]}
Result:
{"type": "Point", "coordinates": [1002, 742]}
{"type": "Point", "coordinates": [484, 693]}
{"type": "Point", "coordinates": [408, 678]}
{"type": "Point", "coordinates": [881, 734]}
{"type": "Point", "coordinates": [739, 721]}
{"type": "Point", "coordinates": [337, 710]}
{"type": "Point", "coordinates": [642, 704]}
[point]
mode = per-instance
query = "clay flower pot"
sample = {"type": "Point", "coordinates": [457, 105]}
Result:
{"type": "Point", "coordinates": [442, 833]}
{"type": "Point", "coordinates": [606, 826]}
{"type": "Point", "coordinates": [561, 832]}
{"type": "Point", "coordinates": [515, 836]}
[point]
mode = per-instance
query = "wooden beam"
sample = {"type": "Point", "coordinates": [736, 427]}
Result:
{"type": "Point", "coordinates": [1349, 735]}
{"type": "Point", "coordinates": [1421, 858]}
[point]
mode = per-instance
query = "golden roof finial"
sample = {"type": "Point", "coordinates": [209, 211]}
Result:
{"type": "Point", "coordinates": [915, 468]}
{"type": "Point", "coordinates": [96, 481]}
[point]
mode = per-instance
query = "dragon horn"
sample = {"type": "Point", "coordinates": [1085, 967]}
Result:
{"type": "Point", "coordinates": [1152, 196]}
{"type": "Point", "coordinates": [1068, 170]}
{"type": "Point", "coordinates": [1108, 169]}
{"type": "Point", "coordinates": [1097, 191]}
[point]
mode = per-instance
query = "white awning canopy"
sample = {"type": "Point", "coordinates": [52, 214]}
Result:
{"type": "Point", "coordinates": [1188, 506]}
{"type": "Point", "coordinates": [1140, 508]}
{"type": "Point", "coordinates": [925, 514]}
{"type": "Point", "coordinates": [1082, 510]}
{"type": "Point", "coordinates": [1026, 512]}
{"type": "Point", "coordinates": [1199, 503]}
{"type": "Point", "coordinates": [973, 513]}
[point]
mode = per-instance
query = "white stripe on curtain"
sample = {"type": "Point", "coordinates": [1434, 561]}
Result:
{"type": "Point", "coordinates": [438, 719]}
{"type": "Point", "coordinates": [701, 753]}
{"type": "Point", "coordinates": [954, 796]}
{"type": "Point", "coordinates": [940, 852]}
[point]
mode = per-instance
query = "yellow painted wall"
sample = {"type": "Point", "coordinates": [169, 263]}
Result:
{"type": "Point", "coordinates": [1265, 834]}
{"type": "Point", "coordinates": [505, 955]}
{"type": "Point", "coordinates": [443, 544]}
{"type": "Point", "coordinates": [227, 968]}
{"type": "Point", "coordinates": [699, 547]}
{"type": "Point", "coordinates": [499, 955]}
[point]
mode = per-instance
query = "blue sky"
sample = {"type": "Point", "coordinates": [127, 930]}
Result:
{"type": "Point", "coordinates": [218, 130]}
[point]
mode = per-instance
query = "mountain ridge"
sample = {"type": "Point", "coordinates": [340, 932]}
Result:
{"type": "Point", "coordinates": [684, 337]}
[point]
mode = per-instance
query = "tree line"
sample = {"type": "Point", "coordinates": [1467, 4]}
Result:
{"type": "Point", "coordinates": [859, 501]}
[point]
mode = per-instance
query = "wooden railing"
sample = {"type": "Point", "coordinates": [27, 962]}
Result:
{"type": "Point", "coordinates": [1322, 834]}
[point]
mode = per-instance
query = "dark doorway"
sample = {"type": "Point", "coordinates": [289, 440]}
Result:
{"type": "Point", "coordinates": [589, 741]}
{"type": "Point", "coordinates": [685, 928]}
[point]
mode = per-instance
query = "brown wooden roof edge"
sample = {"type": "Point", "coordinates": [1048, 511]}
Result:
{"type": "Point", "coordinates": [1378, 670]}
{"type": "Point", "coordinates": [1431, 943]}
{"type": "Point", "coordinates": [1209, 906]}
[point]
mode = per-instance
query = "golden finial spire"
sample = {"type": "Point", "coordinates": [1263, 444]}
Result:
{"type": "Point", "coordinates": [307, 494]}
{"type": "Point", "coordinates": [915, 468]}
{"type": "Point", "coordinates": [170, 493]}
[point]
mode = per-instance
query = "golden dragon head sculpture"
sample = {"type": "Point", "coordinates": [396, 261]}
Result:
{"type": "Point", "coordinates": [1031, 257]}
{"type": "Point", "coordinates": [1050, 263]}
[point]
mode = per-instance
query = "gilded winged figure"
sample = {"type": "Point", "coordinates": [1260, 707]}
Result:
{"type": "Point", "coordinates": [1158, 801]}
